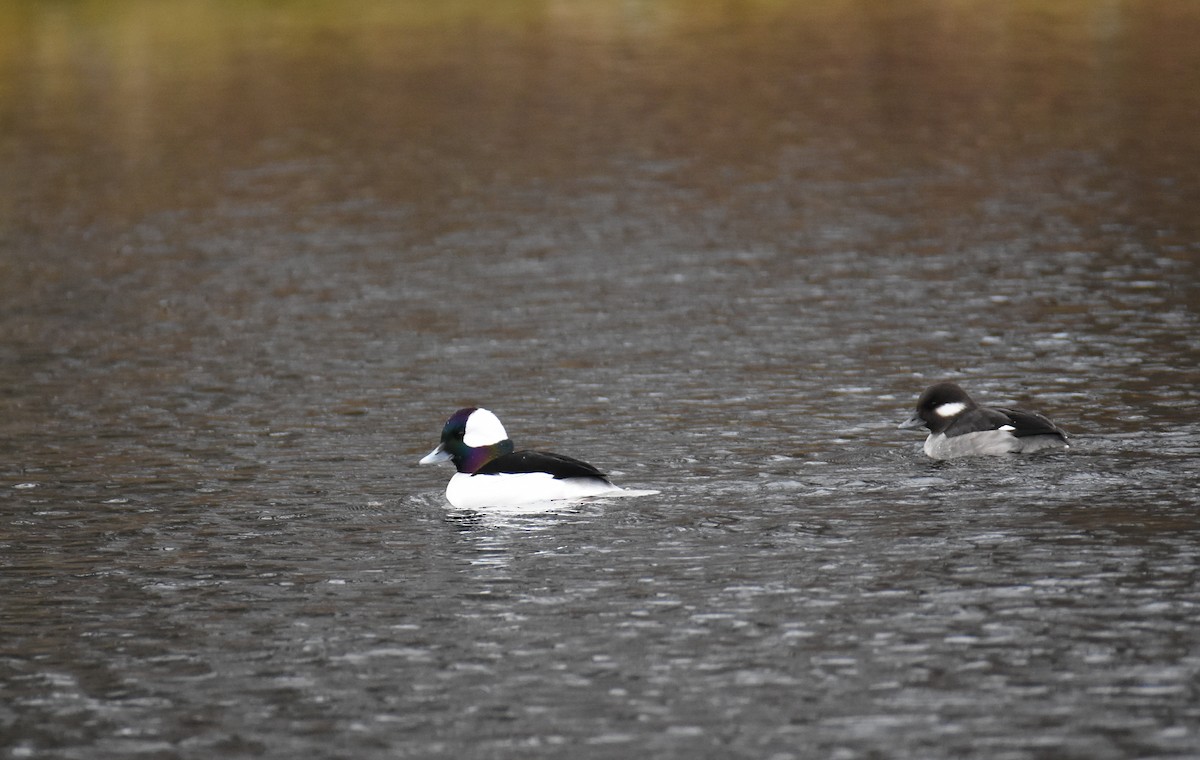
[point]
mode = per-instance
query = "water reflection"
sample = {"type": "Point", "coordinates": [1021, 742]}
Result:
{"type": "Point", "coordinates": [488, 536]}
{"type": "Point", "coordinates": [304, 105]}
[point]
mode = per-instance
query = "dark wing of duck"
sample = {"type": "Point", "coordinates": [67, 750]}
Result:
{"type": "Point", "coordinates": [978, 420]}
{"type": "Point", "coordinates": [1031, 423]}
{"type": "Point", "coordinates": [559, 466]}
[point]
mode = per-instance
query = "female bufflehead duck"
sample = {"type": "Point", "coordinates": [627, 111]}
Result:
{"type": "Point", "coordinates": [491, 474]}
{"type": "Point", "coordinates": [959, 427]}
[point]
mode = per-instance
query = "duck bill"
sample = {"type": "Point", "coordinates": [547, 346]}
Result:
{"type": "Point", "coordinates": [437, 455]}
{"type": "Point", "coordinates": [911, 424]}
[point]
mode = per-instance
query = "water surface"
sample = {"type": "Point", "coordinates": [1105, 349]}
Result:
{"type": "Point", "coordinates": [253, 255]}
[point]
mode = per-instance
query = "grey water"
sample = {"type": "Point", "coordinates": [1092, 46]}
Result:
{"type": "Point", "coordinates": [253, 255]}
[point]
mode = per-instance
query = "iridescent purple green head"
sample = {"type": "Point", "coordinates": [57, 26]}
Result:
{"type": "Point", "coordinates": [471, 438]}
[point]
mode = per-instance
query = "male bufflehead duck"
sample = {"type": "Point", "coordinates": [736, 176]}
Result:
{"type": "Point", "coordinates": [959, 427]}
{"type": "Point", "coordinates": [491, 474]}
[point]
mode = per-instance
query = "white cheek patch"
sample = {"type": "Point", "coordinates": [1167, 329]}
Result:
{"type": "Point", "coordinates": [483, 429]}
{"type": "Point", "coordinates": [1006, 427]}
{"type": "Point", "coordinates": [950, 409]}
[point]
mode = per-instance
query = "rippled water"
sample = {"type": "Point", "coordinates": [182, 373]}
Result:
{"type": "Point", "coordinates": [252, 256]}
